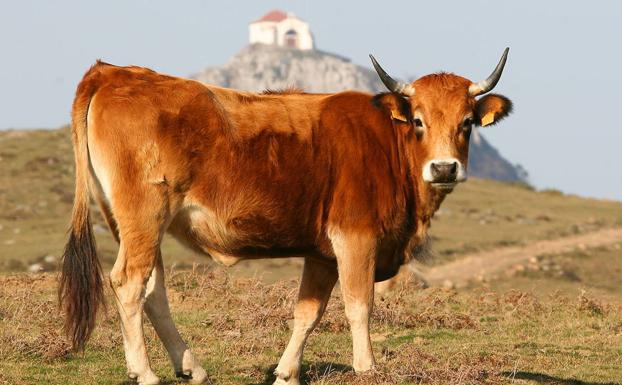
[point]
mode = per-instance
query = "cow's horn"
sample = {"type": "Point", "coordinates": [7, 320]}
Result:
{"type": "Point", "coordinates": [484, 86]}
{"type": "Point", "coordinates": [393, 85]}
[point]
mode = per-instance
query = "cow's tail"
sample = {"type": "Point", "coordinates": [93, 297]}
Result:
{"type": "Point", "coordinates": [80, 289]}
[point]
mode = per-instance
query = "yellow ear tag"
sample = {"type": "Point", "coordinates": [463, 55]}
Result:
{"type": "Point", "coordinates": [398, 117]}
{"type": "Point", "coordinates": [488, 119]}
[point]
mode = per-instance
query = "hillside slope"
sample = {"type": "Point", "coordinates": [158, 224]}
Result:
{"type": "Point", "coordinates": [548, 332]}
{"type": "Point", "coordinates": [36, 194]}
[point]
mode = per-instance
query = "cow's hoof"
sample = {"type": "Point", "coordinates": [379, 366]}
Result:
{"type": "Point", "coordinates": [148, 378]}
{"type": "Point", "coordinates": [291, 381]}
{"type": "Point", "coordinates": [183, 376]}
{"type": "Point", "coordinates": [196, 376]}
{"type": "Point", "coordinates": [285, 379]}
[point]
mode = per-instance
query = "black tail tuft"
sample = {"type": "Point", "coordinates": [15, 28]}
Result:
{"type": "Point", "coordinates": [80, 289]}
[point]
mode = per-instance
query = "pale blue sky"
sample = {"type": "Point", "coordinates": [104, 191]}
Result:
{"type": "Point", "coordinates": [563, 73]}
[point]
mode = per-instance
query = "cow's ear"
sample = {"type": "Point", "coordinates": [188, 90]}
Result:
{"type": "Point", "coordinates": [491, 108]}
{"type": "Point", "coordinates": [396, 105]}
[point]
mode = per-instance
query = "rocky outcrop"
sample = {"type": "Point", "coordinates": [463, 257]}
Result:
{"type": "Point", "coordinates": [259, 67]}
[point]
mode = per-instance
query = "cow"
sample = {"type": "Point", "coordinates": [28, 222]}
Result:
{"type": "Point", "coordinates": [347, 181]}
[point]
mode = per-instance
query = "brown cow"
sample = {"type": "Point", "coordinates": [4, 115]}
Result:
{"type": "Point", "coordinates": [348, 181]}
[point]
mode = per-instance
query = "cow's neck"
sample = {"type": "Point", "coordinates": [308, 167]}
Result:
{"type": "Point", "coordinates": [427, 199]}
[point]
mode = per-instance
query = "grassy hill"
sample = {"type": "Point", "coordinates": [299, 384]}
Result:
{"type": "Point", "coordinates": [557, 320]}
{"type": "Point", "coordinates": [36, 194]}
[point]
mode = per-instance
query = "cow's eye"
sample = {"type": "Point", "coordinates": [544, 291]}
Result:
{"type": "Point", "coordinates": [418, 128]}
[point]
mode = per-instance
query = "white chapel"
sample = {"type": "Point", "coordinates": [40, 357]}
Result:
{"type": "Point", "coordinates": [282, 29]}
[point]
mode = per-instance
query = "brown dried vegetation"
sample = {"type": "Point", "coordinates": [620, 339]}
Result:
{"type": "Point", "coordinates": [238, 327]}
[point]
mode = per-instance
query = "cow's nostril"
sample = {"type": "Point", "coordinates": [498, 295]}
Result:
{"type": "Point", "coordinates": [435, 168]}
{"type": "Point", "coordinates": [453, 168]}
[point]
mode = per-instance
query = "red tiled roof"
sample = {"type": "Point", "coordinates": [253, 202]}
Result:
{"type": "Point", "coordinates": [275, 16]}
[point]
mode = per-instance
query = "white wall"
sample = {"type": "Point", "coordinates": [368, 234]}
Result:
{"type": "Point", "coordinates": [305, 41]}
{"type": "Point", "coordinates": [263, 32]}
{"type": "Point", "coordinates": [269, 32]}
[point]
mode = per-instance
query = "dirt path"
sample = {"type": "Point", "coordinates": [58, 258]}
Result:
{"type": "Point", "coordinates": [485, 264]}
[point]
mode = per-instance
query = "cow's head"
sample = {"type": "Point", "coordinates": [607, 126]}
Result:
{"type": "Point", "coordinates": [442, 109]}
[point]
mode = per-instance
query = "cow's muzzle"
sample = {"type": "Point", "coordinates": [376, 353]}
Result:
{"type": "Point", "coordinates": [444, 174]}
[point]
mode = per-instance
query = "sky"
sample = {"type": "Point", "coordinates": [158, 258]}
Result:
{"type": "Point", "coordinates": [564, 72]}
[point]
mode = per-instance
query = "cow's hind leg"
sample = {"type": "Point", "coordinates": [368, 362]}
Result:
{"type": "Point", "coordinates": [141, 214]}
{"type": "Point", "coordinates": [128, 279]}
{"type": "Point", "coordinates": [157, 308]}
{"type": "Point", "coordinates": [318, 280]}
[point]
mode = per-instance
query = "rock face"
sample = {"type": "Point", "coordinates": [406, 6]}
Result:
{"type": "Point", "coordinates": [486, 162]}
{"type": "Point", "coordinates": [259, 67]}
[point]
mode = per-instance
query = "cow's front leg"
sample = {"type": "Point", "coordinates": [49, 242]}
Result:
{"type": "Point", "coordinates": [318, 280]}
{"type": "Point", "coordinates": [356, 255]}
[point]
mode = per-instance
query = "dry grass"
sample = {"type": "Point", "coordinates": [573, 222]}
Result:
{"type": "Point", "coordinates": [421, 367]}
{"type": "Point", "coordinates": [239, 326]}
{"type": "Point", "coordinates": [30, 321]}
